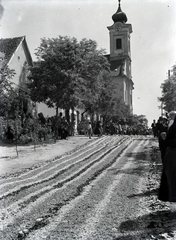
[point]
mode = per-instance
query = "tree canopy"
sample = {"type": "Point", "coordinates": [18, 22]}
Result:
{"type": "Point", "coordinates": [72, 74]}
{"type": "Point", "coordinates": [67, 73]}
{"type": "Point", "coordinates": [139, 121]}
{"type": "Point", "coordinates": [168, 97]}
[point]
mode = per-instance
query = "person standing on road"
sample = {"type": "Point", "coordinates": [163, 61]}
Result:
{"type": "Point", "coordinates": [162, 131]}
{"type": "Point", "coordinates": [154, 128]}
{"type": "Point", "coordinates": [167, 190]}
{"type": "Point", "coordinates": [89, 129]}
{"type": "Point", "coordinates": [112, 128]}
{"type": "Point", "coordinates": [98, 129]}
{"type": "Point", "coordinates": [64, 128]}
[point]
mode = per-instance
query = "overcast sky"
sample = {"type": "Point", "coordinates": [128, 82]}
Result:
{"type": "Point", "coordinates": [153, 41]}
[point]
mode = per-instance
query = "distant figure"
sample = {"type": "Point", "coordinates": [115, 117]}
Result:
{"type": "Point", "coordinates": [98, 129]}
{"type": "Point", "coordinates": [89, 129]}
{"type": "Point", "coordinates": [154, 128]}
{"type": "Point", "coordinates": [112, 128]}
{"type": "Point", "coordinates": [9, 134]}
{"type": "Point", "coordinates": [41, 118]}
{"type": "Point", "coordinates": [64, 128]}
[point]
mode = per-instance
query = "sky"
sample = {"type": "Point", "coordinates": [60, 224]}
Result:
{"type": "Point", "coordinates": [153, 40]}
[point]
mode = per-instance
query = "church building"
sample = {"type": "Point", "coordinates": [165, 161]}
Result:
{"type": "Point", "coordinates": [120, 57]}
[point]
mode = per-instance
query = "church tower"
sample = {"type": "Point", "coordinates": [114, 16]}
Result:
{"type": "Point", "coordinates": [120, 56]}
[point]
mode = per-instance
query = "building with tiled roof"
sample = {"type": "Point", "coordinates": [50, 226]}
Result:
{"type": "Point", "coordinates": [9, 46]}
{"type": "Point", "coordinates": [17, 56]}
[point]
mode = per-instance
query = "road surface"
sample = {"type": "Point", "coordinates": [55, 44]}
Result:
{"type": "Point", "coordinates": [96, 192]}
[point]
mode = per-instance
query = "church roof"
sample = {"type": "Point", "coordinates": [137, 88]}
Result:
{"type": "Point", "coordinates": [119, 16]}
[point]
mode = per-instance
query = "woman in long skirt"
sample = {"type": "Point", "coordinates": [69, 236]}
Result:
{"type": "Point", "coordinates": [167, 190]}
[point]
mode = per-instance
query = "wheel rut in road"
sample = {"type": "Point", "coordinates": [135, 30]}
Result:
{"type": "Point", "coordinates": [53, 194]}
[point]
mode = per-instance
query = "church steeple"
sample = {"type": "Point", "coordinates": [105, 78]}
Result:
{"type": "Point", "coordinates": [120, 56]}
{"type": "Point", "coordinates": [119, 16]}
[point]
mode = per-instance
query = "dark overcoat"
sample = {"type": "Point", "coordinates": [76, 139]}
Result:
{"type": "Point", "coordinates": [167, 190]}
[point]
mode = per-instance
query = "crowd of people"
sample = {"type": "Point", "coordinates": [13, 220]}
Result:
{"type": "Point", "coordinates": [165, 130]}
{"type": "Point", "coordinates": [24, 128]}
{"type": "Point", "coordinates": [111, 128]}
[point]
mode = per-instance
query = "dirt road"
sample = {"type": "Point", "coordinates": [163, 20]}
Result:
{"type": "Point", "coordinates": [100, 191]}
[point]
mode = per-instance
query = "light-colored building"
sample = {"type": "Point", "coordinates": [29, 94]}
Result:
{"type": "Point", "coordinates": [18, 58]}
{"type": "Point", "coordinates": [120, 57]}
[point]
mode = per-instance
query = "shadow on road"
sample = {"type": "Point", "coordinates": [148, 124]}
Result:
{"type": "Point", "coordinates": [161, 222]}
{"type": "Point", "coordinates": [153, 192]}
{"type": "Point", "coordinates": [139, 159]}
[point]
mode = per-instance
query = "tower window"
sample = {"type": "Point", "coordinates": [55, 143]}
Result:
{"type": "Point", "coordinates": [118, 43]}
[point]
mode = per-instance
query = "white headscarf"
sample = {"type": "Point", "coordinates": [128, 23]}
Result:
{"type": "Point", "coordinates": [172, 116]}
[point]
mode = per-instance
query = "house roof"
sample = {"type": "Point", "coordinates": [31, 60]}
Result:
{"type": "Point", "coordinates": [9, 45]}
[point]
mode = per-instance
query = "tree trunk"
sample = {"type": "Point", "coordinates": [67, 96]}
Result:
{"type": "Point", "coordinates": [57, 112]}
{"type": "Point", "coordinates": [56, 125]}
{"type": "Point", "coordinates": [67, 115]}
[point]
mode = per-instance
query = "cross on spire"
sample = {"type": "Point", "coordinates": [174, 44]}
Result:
{"type": "Point", "coordinates": [119, 6]}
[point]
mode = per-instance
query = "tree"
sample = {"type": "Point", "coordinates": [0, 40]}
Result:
{"type": "Point", "coordinates": [110, 105]}
{"type": "Point", "coordinates": [138, 121]}
{"type": "Point", "coordinates": [8, 95]}
{"type": "Point", "coordinates": [67, 73]}
{"type": "Point", "coordinates": [168, 98]}
{"type": "Point", "coordinates": [94, 71]}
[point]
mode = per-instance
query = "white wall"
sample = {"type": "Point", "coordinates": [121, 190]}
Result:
{"type": "Point", "coordinates": [17, 62]}
{"type": "Point", "coordinates": [41, 107]}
